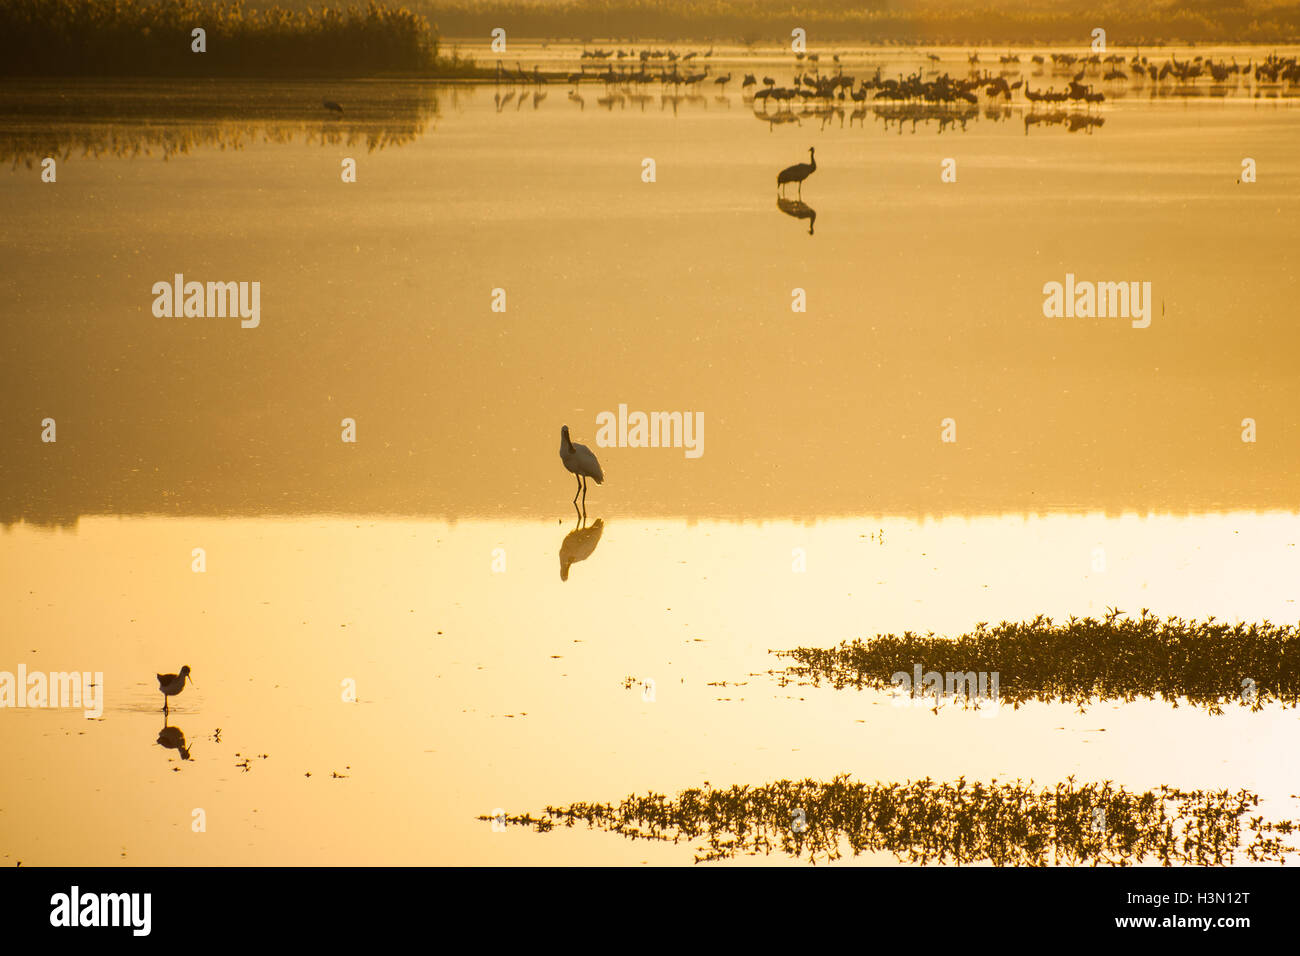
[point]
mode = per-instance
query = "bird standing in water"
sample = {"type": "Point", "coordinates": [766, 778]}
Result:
{"type": "Point", "coordinates": [579, 460]}
{"type": "Point", "coordinates": [173, 684]}
{"type": "Point", "coordinates": [798, 172]}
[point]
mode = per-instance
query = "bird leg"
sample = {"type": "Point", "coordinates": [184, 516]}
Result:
{"type": "Point", "coordinates": [584, 496]}
{"type": "Point", "coordinates": [579, 491]}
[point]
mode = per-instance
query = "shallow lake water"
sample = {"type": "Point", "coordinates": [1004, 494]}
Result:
{"type": "Point", "coordinates": [500, 656]}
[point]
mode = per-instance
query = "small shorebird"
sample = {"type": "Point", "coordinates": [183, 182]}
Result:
{"type": "Point", "coordinates": [173, 684]}
{"type": "Point", "coordinates": [580, 460]}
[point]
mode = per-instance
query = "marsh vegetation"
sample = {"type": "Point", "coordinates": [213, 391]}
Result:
{"type": "Point", "coordinates": [113, 38]}
{"type": "Point", "coordinates": [1209, 663]}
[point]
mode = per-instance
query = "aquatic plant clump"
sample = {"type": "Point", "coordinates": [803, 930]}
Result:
{"type": "Point", "coordinates": [1205, 663]}
{"type": "Point", "coordinates": [924, 822]}
{"type": "Point", "coordinates": [115, 38]}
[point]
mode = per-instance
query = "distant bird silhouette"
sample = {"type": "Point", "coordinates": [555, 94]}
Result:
{"type": "Point", "coordinates": [331, 106]}
{"type": "Point", "coordinates": [173, 684]}
{"type": "Point", "coordinates": [580, 460]}
{"type": "Point", "coordinates": [722, 81]}
{"type": "Point", "coordinates": [798, 172]}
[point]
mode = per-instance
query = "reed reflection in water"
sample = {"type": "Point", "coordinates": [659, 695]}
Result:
{"type": "Point", "coordinates": [127, 120]}
{"type": "Point", "coordinates": [1006, 824]}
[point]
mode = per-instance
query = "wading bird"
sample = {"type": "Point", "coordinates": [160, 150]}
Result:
{"type": "Point", "coordinates": [331, 106]}
{"type": "Point", "coordinates": [173, 684]}
{"type": "Point", "coordinates": [580, 460]}
{"type": "Point", "coordinates": [798, 172]}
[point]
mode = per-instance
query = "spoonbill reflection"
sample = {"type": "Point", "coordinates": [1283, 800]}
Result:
{"type": "Point", "coordinates": [173, 684]}
{"type": "Point", "coordinates": [579, 460]}
{"type": "Point", "coordinates": [578, 545]}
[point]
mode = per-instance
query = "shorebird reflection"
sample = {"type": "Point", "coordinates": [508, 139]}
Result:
{"type": "Point", "coordinates": [800, 210]}
{"type": "Point", "coordinates": [173, 739]}
{"type": "Point", "coordinates": [578, 545]}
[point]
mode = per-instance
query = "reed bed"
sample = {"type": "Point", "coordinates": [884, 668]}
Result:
{"type": "Point", "coordinates": [1207, 663]}
{"type": "Point", "coordinates": [928, 822]}
{"type": "Point", "coordinates": [122, 38]}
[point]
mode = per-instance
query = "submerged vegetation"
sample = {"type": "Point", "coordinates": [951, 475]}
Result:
{"type": "Point", "coordinates": [924, 21]}
{"type": "Point", "coordinates": [1007, 824]}
{"type": "Point", "coordinates": [1207, 663]}
{"type": "Point", "coordinates": [116, 38]}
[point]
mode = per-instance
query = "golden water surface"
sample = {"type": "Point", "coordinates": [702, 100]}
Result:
{"type": "Point", "coordinates": [498, 651]}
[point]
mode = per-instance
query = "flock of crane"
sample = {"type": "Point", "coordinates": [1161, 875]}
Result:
{"type": "Point", "coordinates": [1113, 74]}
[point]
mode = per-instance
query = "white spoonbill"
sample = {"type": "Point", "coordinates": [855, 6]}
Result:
{"type": "Point", "coordinates": [579, 460]}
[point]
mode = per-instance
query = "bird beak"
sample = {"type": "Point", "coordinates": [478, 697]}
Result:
{"type": "Point", "coordinates": [190, 679]}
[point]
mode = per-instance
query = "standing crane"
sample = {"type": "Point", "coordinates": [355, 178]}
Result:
{"type": "Point", "coordinates": [798, 172]}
